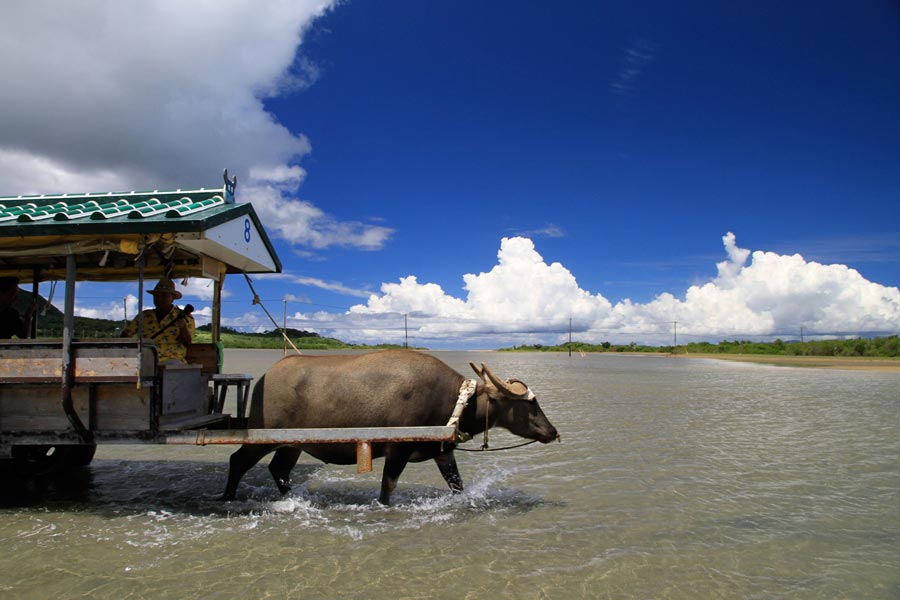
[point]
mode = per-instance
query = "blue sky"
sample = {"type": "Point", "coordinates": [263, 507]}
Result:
{"type": "Point", "coordinates": [613, 144]}
{"type": "Point", "coordinates": [640, 132]}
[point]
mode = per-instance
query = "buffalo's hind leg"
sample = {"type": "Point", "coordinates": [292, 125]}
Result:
{"type": "Point", "coordinates": [446, 463]}
{"type": "Point", "coordinates": [281, 464]}
{"type": "Point", "coordinates": [241, 461]}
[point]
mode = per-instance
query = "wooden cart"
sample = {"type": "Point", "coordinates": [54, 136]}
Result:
{"type": "Point", "coordinates": [60, 397]}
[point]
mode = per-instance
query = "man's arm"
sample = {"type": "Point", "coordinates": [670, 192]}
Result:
{"type": "Point", "coordinates": [25, 331]}
{"type": "Point", "coordinates": [186, 330]}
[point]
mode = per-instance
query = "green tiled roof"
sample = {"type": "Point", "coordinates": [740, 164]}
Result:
{"type": "Point", "coordinates": [103, 207]}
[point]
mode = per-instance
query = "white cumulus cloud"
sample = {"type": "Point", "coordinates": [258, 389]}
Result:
{"type": "Point", "coordinates": [521, 289]}
{"type": "Point", "coordinates": [159, 94]}
{"type": "Point", "coordinates": [776, 293]}
{"type": "Point", "coordinates": [755, 293]}
{"type": "Point", "coordinates": [200, 288]}
{"type": "Point", "coordinates": [303, 223]}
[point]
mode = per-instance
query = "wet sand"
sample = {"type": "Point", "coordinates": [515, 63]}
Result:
{"type": "Point", "coordinates": [862, 363]}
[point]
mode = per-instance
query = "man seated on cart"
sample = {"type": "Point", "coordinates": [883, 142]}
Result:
{"type": "Point", "coordinates": [171, 328]}
{"type": "Point", "coordinates": [11, 324]}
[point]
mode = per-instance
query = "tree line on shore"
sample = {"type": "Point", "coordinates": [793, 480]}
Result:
{"type": "Point", "coordinates": [881, 347]}
{"type": "Point", "coordinates": [303, 340]}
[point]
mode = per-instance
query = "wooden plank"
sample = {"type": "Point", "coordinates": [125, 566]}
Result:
{"type": "Point", "coordinates": [38, 407]}
{"type": "Point", "coordinates": [122, 407]}
{"type": "Point", "coordinates": [344, 435]}
{"type": "Point", "coordinates": [184, 390]}
{"type": "Point", "coordinates": [95, 360]}
{"type": "Point", "coordinates": [29, 407]}
{"type": "Point", "coordinates": [106, 368]}
{"type": "Point", "coordinates": [18, 367]}
{"type": "Point", "coordinates": [26, 365]}
{"type": "Point", "coordinates": [205, 355]}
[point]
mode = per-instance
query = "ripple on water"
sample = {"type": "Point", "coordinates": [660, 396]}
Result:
{"type": "Point", "coordinates": [675, 479]}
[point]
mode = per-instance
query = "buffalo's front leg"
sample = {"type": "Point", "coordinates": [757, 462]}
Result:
{"type": "Point", "coordinates": [447, 466]}
{"type": "Point", "coordinates": [394, 463]}
{"type": "Point", "coordinates": [240, 462]}
{"type": "Point", "coordinates": [281, 464]}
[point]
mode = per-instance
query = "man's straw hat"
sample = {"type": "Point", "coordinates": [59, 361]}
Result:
{"type": "Point", "coordinates": [165, 286]}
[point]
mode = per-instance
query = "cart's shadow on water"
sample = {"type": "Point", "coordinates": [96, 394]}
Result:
{"type": "Point", "coordinates": [175, 485]}
{"type": "Point", "coordinates": [22, 489]}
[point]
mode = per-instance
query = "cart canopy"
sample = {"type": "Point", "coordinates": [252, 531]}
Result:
{"type": "Point", "coordinates": [193, 233]}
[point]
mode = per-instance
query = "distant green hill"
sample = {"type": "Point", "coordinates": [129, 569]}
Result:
{"type": "Point", "coordinates": [303, 340]}
{"type": "Point", "coordinates": [51, 325]}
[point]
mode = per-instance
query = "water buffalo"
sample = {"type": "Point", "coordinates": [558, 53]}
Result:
{"type": "Point", "coordinates": [392, 388]}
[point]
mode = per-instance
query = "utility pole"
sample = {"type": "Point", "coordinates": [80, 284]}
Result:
{"type": "Point", "coordinates": [125, 308]}
{"type": "Point", "coordinates": [801, 334]}
{"type": "Point", "coordinates": [405, 331]}
{"type": "Point", "coordinates": [675, 334]}
{"type": "Point", "coordinates": [570, 337]}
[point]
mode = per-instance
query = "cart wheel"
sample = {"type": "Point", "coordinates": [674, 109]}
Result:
{"type": "Point", "coordinates": [50, 459]}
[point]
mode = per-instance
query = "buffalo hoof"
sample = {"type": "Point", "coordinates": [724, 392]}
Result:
{"type": "Point", "coordinates": [284, 486]}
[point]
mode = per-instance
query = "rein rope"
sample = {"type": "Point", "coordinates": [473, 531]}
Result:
{"type": "Point", "coordinates": [484, 448]}
{"type": "Point", "coordinates": [256, 300]}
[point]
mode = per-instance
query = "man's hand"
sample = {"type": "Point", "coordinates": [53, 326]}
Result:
{"type": "Point", "coordinates": [184, 332]}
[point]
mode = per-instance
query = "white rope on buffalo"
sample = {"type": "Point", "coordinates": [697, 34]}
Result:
{"type": "Point", "coordinates": [466, 391]}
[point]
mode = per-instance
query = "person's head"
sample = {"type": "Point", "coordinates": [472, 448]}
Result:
{"type": "Point", "coordinates": [9, 290]}
{"type": "Point", "coordinates": [164, 293]}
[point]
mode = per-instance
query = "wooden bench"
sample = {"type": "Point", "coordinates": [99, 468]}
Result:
{"type": "Point", "coordinates": [208, 356]}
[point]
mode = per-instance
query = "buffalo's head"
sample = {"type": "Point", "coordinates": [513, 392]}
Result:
{"type": "Point", "coordinates": [515, 407]}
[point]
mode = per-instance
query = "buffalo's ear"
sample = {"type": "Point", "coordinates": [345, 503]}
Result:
{"type": "Point", "coordinates": [478, 370]}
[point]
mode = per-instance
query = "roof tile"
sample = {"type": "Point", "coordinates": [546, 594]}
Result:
{"type": "Point", "coordinates": [134, 205]}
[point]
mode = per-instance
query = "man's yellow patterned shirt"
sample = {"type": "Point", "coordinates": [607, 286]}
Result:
{"type": "Point", "coordinates": [167, 341]}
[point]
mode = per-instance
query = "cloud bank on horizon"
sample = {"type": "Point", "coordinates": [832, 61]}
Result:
{"type": "Point", "coordinates": [524, 300]}
{"type": "Point", "coordinates": [528, 301]}
{"type": "Point", "coordinates": [105, 102]}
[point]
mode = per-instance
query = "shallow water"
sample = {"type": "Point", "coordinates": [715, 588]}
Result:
{"type": "Point", "coordinates": [675, 479]}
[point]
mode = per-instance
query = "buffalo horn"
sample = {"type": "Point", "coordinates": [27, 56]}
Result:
{"type": "Point", "coordinates": [478, 370]}
{"type": "Point", "coordinates": [521, 393]}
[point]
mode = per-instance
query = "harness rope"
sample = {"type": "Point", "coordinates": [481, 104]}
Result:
{"type": "Point", "coordinates": [466, 391]}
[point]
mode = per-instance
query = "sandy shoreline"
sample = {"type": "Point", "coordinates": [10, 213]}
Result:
{"type": "Point", "coordinates": [862, 363]}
